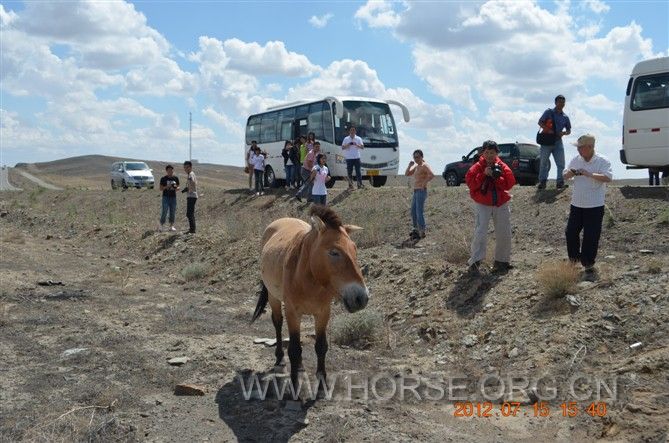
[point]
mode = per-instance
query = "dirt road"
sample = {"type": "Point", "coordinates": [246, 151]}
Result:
{"type": "Point", "coordinates": [4, 181]}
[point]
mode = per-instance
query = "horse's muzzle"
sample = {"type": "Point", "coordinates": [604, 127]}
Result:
{"type": "Point", "coordinates": [354, 297]}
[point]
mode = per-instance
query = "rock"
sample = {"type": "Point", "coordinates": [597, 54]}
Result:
{"type": "Point", "coordinates": [259, 341]}
{"type": "Point", "coordinates": [488, 306]}
{"type": "Point", "coordinates": [49, 237]}
{"type": "Point", "coordinates": [646, 251]}
{"type": "Point", "coordinates": [188, 389]}
{"type": "Point", "coordinates": [270, 342]}
{"type": "Point", "coordinates": [610, 257]}
{"type": "Point", "coordinates": [50, 283]}
{"type": "Point", "coordinates": [470, 340]}
{"type": "Point", "coordinates": [611, 317]}
{"type": "Point", "coordinates": [572, 300]}
{"type": "Point", "coordinates": [585, 285]}
{"type": "Point", "coordinates": [513, 353]}
{"type": "Point", "coordinates": [636, 345]}
{"type": "Point", "coordinates": [418, 313]}
{"type": "Point", "coordinates": [293, 405]}
{"type": "Point", "coordinates": [178, 361]}
{"type": "Point", "coordinates": [610, 430]}
{"type": "Point", "coordinates": [73, 351]}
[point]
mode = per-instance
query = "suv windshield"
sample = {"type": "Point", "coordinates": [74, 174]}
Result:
{"type": "Point", "coordinates": [139, 166]}
{"type": "Point", "coordinates": [373, 123]}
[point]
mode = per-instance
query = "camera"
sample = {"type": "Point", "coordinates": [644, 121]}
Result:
{"type": "Point", "coordinates": [171, 184]}
{"type": "Point", "coordinates": [496, 170]}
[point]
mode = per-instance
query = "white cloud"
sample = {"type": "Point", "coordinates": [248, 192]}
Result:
{"type": "Point", "coordinates": [596, 6]}
{"type": "Point", "coordinates": [378, 14]}
{"type": "Point", "coordinates": [322, 21]}
{"type": "Point", "coordinates": [232, 126]}
{"type": "Point", "coordinates": [271, 59]}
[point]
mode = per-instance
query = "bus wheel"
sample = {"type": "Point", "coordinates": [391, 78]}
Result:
{"type": "Point", "coordinates": [331, 183]}
{"type": "Point", "coordinates": [378, 180]}
{"type": "Point", "coordinates": [270, 178]}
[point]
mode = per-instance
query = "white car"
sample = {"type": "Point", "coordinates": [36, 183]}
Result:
{"type": "Point", "coordinates": [131, 174]}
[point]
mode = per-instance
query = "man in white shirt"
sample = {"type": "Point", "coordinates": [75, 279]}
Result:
{"type": "Point", "coordinates": [351, 146]}
{"type": "Point", "coordinates": [590, 172]}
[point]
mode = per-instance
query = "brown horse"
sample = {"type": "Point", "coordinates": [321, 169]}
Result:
{"type": "Point", "coordinates": [306, 267]}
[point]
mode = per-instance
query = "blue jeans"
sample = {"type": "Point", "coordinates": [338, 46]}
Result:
{"type": "Point", "coordinates": [169, 204]}
{"type": "Point", "coordinates": [290, 170]}
{"type": "Point", "coordinates": [320, 199]}
{"type": "Point", "coordinates": [558, 155]}
{"type": "Point", "coordinates": [417, 208]}
{"type": "Point", "coordinates": [350, 164]}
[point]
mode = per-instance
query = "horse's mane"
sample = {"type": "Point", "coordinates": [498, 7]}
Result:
{"type": "Point", "coordinates": [329, 217]}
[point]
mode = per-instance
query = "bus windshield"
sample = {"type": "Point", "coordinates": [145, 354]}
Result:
{"type": "Point", "coordinates": [373, 123]}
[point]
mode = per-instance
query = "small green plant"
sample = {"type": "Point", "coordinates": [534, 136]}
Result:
{"type": "Point", "coordinates": [557, 278]}
{"type": "Point", "coordinates": [654, 267]}
{"type": "Point", "coordinates": [194, 271]}
{"type": "Point", "coordinates": [359, 329]}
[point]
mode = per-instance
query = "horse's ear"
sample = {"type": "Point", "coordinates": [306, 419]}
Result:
{"type": "Point", "coordinates": [317, 223]}
{"type": "Point", "coordinates": [352, 228]}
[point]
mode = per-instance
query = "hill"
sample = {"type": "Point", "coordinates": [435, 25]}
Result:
{"type": "Point", "coordinates": [125, 298]}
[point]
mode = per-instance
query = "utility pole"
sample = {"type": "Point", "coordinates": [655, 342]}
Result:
{"type": "Point", "coordinates": [190, 136]}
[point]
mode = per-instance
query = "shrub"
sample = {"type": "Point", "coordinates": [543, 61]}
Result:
{"type": "Point", "coordinates": [359, 329]}
{"type": "Point", "coordinates": [654, 267]}
{"type": "Point", "coordinates": [194, 271]}
{"type": "Point", "coordinates": [557, 278]}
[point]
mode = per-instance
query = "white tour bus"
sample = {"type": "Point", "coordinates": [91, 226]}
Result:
{"type": "Point", "coordinates": [329, 119]}
{"type": "Point", "coordinates": [646, 116]}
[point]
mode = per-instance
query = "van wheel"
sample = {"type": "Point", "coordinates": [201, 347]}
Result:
{"type": "Point", "coordinates": [378, 180]}
{"type": "Point", "coordinates": [113, 185]}
{"type": "Point", "coordinates": [452, 179]}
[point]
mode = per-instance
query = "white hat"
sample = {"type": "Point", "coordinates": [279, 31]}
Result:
{"type": "Point", "coordinates": [586, 139]}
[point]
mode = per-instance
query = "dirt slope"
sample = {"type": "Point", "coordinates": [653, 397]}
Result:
{"type": "Point", "coordinates": [125, 301]}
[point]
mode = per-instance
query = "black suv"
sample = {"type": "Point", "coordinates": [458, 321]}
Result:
{"type": "Point", "coordinates": [522, 158]}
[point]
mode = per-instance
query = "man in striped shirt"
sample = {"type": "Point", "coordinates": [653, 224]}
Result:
{"type": "Point", "coordinates": [590, 172]}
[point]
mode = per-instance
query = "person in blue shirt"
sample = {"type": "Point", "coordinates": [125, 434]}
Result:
{"type": "Point", "coordinates": [554, 121]}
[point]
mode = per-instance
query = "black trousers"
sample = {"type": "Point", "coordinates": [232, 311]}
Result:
{"type": "Point", "coordinates": [588, 220]}
{"type": "Point", "coordinates": [190, 213]}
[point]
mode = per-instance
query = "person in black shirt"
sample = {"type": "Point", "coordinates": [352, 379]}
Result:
{"type": "Point", "coordinates": [169, 184]}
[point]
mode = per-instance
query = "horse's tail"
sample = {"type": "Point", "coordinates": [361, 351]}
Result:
{"type": "Point", "coordinates": [263, 297]}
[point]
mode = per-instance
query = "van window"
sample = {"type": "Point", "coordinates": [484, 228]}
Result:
{"type": "Point", "coordinates": [651, 92]}
{"type": "Point", "coordinates": [136, 166]}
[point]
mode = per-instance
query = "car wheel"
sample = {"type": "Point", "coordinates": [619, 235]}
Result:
{"type": "Point", "coordinates": [124, 185]}
{"type": "Point", "coordinates": [452, 179]}
{"type": "Point", "coordinates": [378, 181]}
{"type": "Point", "coordinates": [113, 185]}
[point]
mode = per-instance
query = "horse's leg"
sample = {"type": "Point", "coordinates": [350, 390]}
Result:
{"type": "Point", "coordinates": [294, 346]}
{"type": "Point", "coordinates": [321, 320]}
{"type": "Point", "coordinates": [277, 320]}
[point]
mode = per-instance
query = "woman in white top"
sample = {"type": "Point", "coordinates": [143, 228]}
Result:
{"type": "Point", "coordinates": [320, 175]}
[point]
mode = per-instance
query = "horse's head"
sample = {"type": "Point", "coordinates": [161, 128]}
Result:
{"type": "Point", "coordinates": [334, 261]}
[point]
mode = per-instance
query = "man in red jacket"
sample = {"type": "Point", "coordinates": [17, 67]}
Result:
{"type": "Point", "coordinates": [489, 181]}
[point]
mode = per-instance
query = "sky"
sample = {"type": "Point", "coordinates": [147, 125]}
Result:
{"type": "Point", "coordinates": [120, 78]}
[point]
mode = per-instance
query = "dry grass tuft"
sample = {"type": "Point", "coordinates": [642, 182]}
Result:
{"type": "Point", "coordinates": [557, 278]}
{"type": "Point", "coordinates": [360, 329]}
{"type": "Point", "coordinates": [194, 271]}
{"type": "Point", "coordinates": [654, 267]}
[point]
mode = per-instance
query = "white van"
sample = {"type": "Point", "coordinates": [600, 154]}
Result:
{"type": "Point", "coordinates": [135, 174]}
{"type": "Point", "coordinates": [646, 116]}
